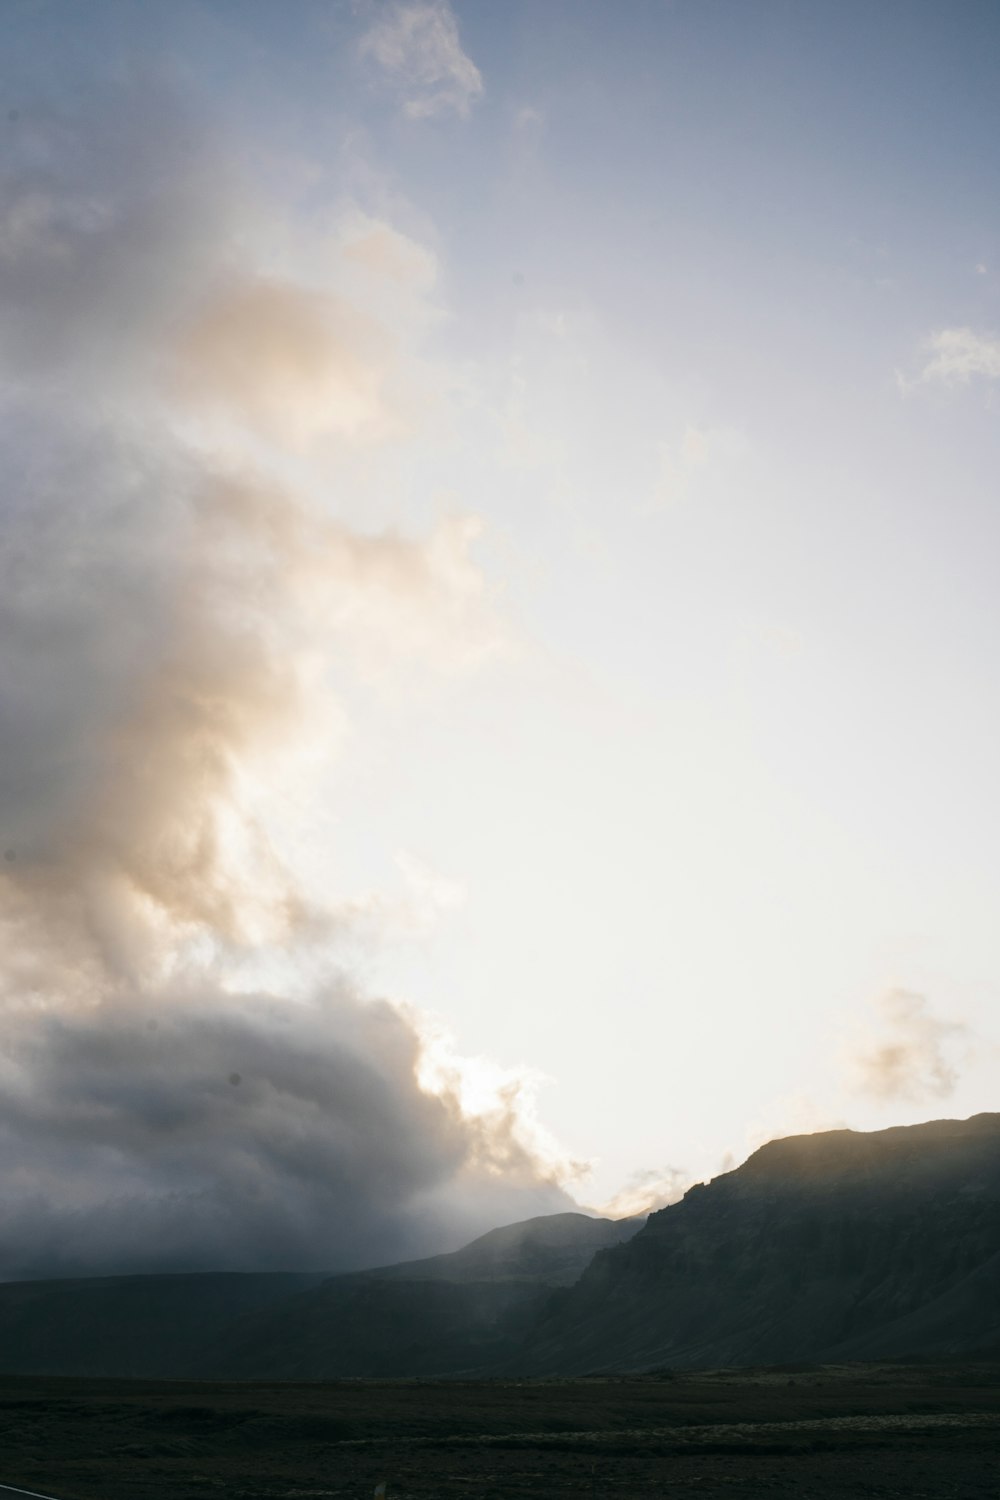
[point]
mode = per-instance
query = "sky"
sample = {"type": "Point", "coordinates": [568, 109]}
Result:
{"type": "Point", "coordinates": [499, 638]}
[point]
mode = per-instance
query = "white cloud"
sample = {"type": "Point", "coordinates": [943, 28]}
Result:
{"type": "Point", "coordinates": [419, 47]}
{"type": "Point", "coordinates": [646, 1192]}
{"type": "Point", "coordinates": [960, 353]}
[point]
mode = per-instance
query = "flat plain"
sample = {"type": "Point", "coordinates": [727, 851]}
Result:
{"type": "Point", "coordinates": [909, 1429]}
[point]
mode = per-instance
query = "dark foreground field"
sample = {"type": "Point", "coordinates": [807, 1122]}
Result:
{"type": "Point", "coordinates": [902, 1430]}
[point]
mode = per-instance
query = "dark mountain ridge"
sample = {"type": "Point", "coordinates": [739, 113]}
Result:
{"type": "Point", "coordinates": [552, 1249]}
{"type": "Point", "coordinates": [826, 1247]}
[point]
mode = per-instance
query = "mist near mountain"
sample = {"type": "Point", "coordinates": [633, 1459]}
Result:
{"type": "Point", "coordinates": [432, 1316]}
{"type": "Point", "coordinates": [463, 1313]}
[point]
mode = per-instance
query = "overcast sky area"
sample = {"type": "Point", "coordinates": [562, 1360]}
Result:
{"type": "Point", "coordinates": [499, 625]}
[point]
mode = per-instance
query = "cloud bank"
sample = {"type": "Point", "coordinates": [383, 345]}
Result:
{"type": "Point", "coordinates": [177, 600]}
{"type": "Point", "coordinates": [202, 1130]}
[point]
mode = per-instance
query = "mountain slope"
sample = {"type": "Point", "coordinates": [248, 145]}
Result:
{"type": "Point", "coordinates": [833, 1246]}
{"type": "Point", "coordinates": [128, 1325]}
{"type": "Point", "coordinates": [552, 1249]}
{"type": "Point", "coordinates": [449, 1311]}
{"type": "Point", "coordinates": [462, 1312]}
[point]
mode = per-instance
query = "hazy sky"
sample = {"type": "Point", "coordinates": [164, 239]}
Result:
{"type": "Point", "coordinates": [613, 683]}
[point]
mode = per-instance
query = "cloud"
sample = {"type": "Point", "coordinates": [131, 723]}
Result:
{"type": "Point", "coordinates": [647, 1191]}
{"type": "Point", "coordinates": [388, 253]}
{"type": "Point", "coordinates": [107, 234]}
{"type": "Point", "coordinates": [418, 46]}
{"type": "Point", "coordinates": [906, 1055]}
{"type": "Point", "coordinates": [196, 1130]}
{"type": "Point", "coordinates": [528, 118]}
{"type": "Point", "coordinates": [164, 658]}
{"type": "Point", "coordinates": [286, 358]}
{"type": "Point", "coordinates": [958, 354]}
{"type": "Point", "coordinates": [187, 1078]}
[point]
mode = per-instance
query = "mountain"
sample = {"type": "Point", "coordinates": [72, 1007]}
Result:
{"type": "Point", "coordinates": [464, 1312]}
{"type": "Point", "coordinates": [820, 1248]}
{"type": "Point", "coordinates": [825, 1247]}
{"type": "Point", "coordinates": [551, 1250]}
{"type": "Point", "coordinates": [129, 1325]}
{"type": "Point", "coordinates": [419, 1317]}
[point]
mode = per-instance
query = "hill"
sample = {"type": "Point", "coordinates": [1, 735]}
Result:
{"type": "Point", "coordinates": [129, 1325]}
{"type": "Point", "coordinates": [464, 1312]}
{"type": "Point", "coordinates": [419, 1317]}
{"type": "Point", "coordinates": [836, 1246]}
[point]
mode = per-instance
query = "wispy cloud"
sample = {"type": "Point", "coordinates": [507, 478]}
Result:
{"type": "Point", "coordinates": [795, 1113]}
{"type": "Point", "coordinates": [418, 46]}
{"type": "Point", "coordinates": [647, 1191]}
{"type": "Point", "coordinates": [959, 354]}
{"type": "Point", "coordinates": [907, 1053]}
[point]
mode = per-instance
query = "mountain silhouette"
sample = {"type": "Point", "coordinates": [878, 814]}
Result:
{"type": "Point", "coordinates": [428, 1316]}
{"type": "Point", "coordinates": [461, 1313]}
{"type": "Point", "coordinates": [825, 1247]}
{"type": "Point", "coordinates": [820, 1248]}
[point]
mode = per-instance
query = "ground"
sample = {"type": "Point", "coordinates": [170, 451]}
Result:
{"type": "Point", "coordinates": [910, 1430]}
